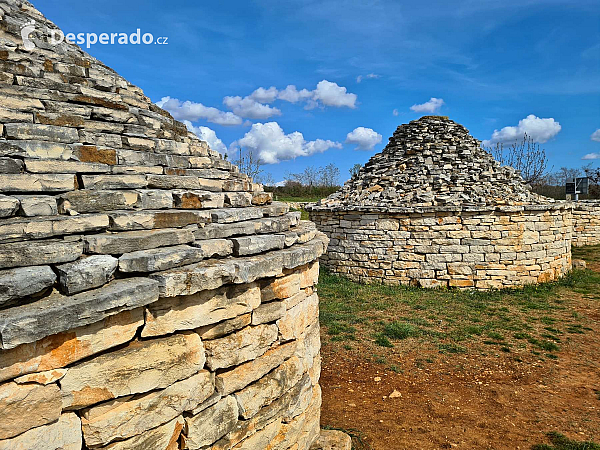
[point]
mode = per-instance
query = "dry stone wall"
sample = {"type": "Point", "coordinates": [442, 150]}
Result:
{"type": "Point", "coordinates": [480, 248]}
{"type": "Point", "coordinates": [586, 223]}
{"type": "Point", "coordinates": [151, 296]}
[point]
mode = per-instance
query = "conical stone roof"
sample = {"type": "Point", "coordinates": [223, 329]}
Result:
{"type": "Point", "coordinates": [433, 161]}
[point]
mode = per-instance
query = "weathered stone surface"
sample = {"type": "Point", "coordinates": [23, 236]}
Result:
{"type": "Point", "coordinates": [87, 273]}
{"type": "Point", "coordinates": [136, 170]}
{"type": "Point", "coordinates": [132, 415]}
{"type": "Point", "coordinates": [230, 215]}
{"type": "Point", "coordinates": [214, 247]}
{"type": "Point", "coordinates": [241, 346]}
{"type": "Point", "coordinates": [268, 388]}
{"type": "Point", "coordinates": [37, 205]}
{"type": "Point", "coordinates": [65, 348]}
{"type": "Point", "coordinates": [100, 182]}
{"type": "Point", "coordinates": [23, 282]}
{"type": "Point", "coordinates": [164, 437]}
{"type": "Point", "coordinates": [53, 166]}
{"type": "Point", "coordinates": [211, 424]}
{"type": "Point", "coordinates": [18, 228]}
{"type": "Point", "coordinates": [172, 182]}
{"type": "Point", "coordinates": [332, 440]}
{"type": "Point", "coordinates": [42, 149]}
{"type": "Point", "coordinates": [140, 367]}
{"type": "Point", "coordinates": [11, 165]}
{"type": "Point", "coordinates": [37, 183]}
{"type": "Point", "coordinates": [260, 226]}
{"type": "Point", "coordinates": [197, 199]}
{"type": "Point", "coordinates": [42, 132]}
{"type": "Point", "coordinates": [262, 198]}
{"type": "Point", "coordinates": [250, 245]}
{"type": "Point", "coordinates": [246, 373]}
{"type": "Point", "coordinates": [263, 438]}
{"type": "Point", "coordinates": [238, 199]}
{"type": "Point", "coordinates": [160, 259]}
{"type": "Point", "coordinates": [8, 206]}
{"type": "Point", "coordinates": [295, 320]}
{"type": "Point", "coordinates": [268, 312]}
{"type": "Point", "coordinates": [93, 154]}
{"type": "Point", "coordinates": [310, 275]}
{"type": "Point", "coordinates": [36, 253]}
{"type": "Point", "coordinates": [275, 209]}
{"type": "Point", "coordinates": [220, 329]}
{"type": "Point", "coordinates": [148, 220]}
{"type": "Point", "coordinates": [65, 434]}
{"type": "Point", "coordinates": [56, 313]}
{"type": "Point", "coordinates": [203, 308]}
{"type": "Point", "coordinates": [44, 378]}
{"type": "Point", "coordinates": [281, 288]}
{"type": "Point", "coordinates": [27, 406]}
{"type": "Point", "coordinates": [85, 201]}
{"type": "Point", "coordinates": [130, 241]}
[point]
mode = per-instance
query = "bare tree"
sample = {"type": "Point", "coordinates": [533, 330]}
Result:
{"type": "Point", "coordinates": [354, 170]}
{"type": "Point", "coordinates": [329, 175]}
{"type": "Point", "coordinates": [248, 162]}
{"type": "Point", "coordinates": [525, 156]}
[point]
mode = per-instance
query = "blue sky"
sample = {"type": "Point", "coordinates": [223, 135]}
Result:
{"type": "Point", "coordinates": [493, 64]}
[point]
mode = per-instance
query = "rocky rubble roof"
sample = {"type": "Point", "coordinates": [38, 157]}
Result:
{"type": "Point", "coordinates": [433, 161]}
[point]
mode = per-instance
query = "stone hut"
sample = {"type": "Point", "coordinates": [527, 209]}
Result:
{"type": "Point", "coordinates": [586, 222]}
{"type": "Point", "coordinates": [151, 296]}
{"type": "Point", "coordinates": [434, 209]}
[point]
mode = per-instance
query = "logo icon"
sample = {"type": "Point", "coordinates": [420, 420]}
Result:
{"type": "Point", "coordinates": [26, 30]}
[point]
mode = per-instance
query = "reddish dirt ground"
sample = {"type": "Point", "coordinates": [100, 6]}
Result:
{"type": "Point", "coordinates": [466, 402]}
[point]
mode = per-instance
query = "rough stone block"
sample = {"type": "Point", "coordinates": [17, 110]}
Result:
{"type": "Point", "coordinates": [15, 284]}
{"type": "Point", "coordinates": [8, 206]}
{"type": "Point", "coordinates": [281, 288]}
{"type": "Point", "coordinates": [268, 312]}
{"type": "Point", "coordinates": [52, 166]}
{"type": "Point", "coordinates": [44, 378]}
{"type": "Point", "coordinates": [241, 346]}
{"type": "Point", "coordinates": [173, 182]}
{"type": "Point", "coordinates": [60, 350]}
{"type": "Point", "coordinates": [148, 220]}
{"type": "Point", "coordinates": [50, 226]}
{"type": "Point", "coordinates": [275, 209]}
{"type": "Point", "coordinates": [43, 149]}
{"type": "Point", "coordinates": [85, 201]}
{"type": "Point", "coordinates": [211, 424]}
{"type": "Point", "coordinates": [37, 183]}
{"type": "Point", "coordinates": [230, 215]}
{"type": "Point", "coordinates": [250, 245]}
{"type": "Point", "coordinates": [56, 313]}
{"type": "Point", "coordinates": [37, 205]}
{"type": "Point", "coordinates": [163, 437]}
{"type": "Point", "coordinates": [64, 434]}
{"type": "Point", "coordinates": [87, 273]}
{"type": "Point", "coordinates": [107, 182]}
{"type": "Point", "coordinates": [298, 318]}
{"type": "Point", "coordinates": [130, 241]}
{"type": "Point", "coordinates": [220, 329]}
{"type": "Point", "coordinates": [204, 308]}
{"type": "Point", "coordinates": [133, 415]}
{"type": "Point", "coordinates": [27, 406]}
{"type": "Point", "coordinates": [37, 253]}
{"type": "Point", "coordinates": [238, 199]}
{"type": "Point", "coordinates": [42, 132]}
{"type": "Point", "coordinates": [154, 199]}
{"type": "Point", "coordinates": [10, 165]}
{"type": "Point", "coordinates": [197, 199]}
{"type": "Point", "coordinates": [262, 198]}
{"type": "Point", "coordinates": [140, 367]}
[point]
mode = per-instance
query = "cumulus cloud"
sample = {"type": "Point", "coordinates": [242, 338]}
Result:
{"type": "Point", "coordinates": [540, 130]}
{"type": "Point", "coordinates": [366, 77]}
{"type": "Point", "coordinates": [431, 106]}
{"type": "Point", "coordinates": [592, 156]}
{"type": "Point", "coordinates": [395, 112]}
{"type": "Point", "coordinates": [272, 145]}
{"type": "Point", "coordinates": [250, 108]}
{"type": "Point", "coordinates": [330, 94]}
{"type": "Point", "coordinates": [364, 138]}
{"type": "Point", "coordinates": [208, 135]}
{"type": "Point", "coordinates": [263, 95]}
{"type": "Point", "coordinates": [596, 135]}
{"type": "Point", "coordinates": [293, 95]}
{"type": "Point", "coordinates": [193, 111]}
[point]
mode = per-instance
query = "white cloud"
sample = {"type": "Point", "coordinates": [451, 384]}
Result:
{"type": "Point", "coordinates": [364, 138]}
{"type": "Point", "coordinates": [596, 135]}
{"type": "Point", "coordinates": [208, 135]}
{"type": "Point", "coordinates": [273, 145]}
{"type": "Point", "coordinates": [263, 95]}
{"type": "Point", "coordinates": [195, 111]}
{"type": "Point", "coordinates": [250, 108]}
{"type": "Point", "coordinates": [395, 112]}
{"type": "Point", "coordinates": [366, 77]}
{"type": "Point", "coordinates": [592, 156]}
{"type": "Point", "coordinates": [540, 130]}
{"type": "Point", "coordinates": [292, 95]}
{"type": "Point", "coordinates": [431, 106]}
{"type": "Point", "coordinates": [330, 94]}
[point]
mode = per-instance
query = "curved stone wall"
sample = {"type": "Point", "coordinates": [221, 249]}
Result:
{"type": "Point", "coordinates": [151, 296]}
{"type": "Point", "coordinates": [586, 223]}
{"type": "Point", "coordinates": [480, 248]}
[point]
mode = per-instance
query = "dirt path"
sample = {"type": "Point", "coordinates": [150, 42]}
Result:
{"type": "Point", "coordinates": [466, 402]}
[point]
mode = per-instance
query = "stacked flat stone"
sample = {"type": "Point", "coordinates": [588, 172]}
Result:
{"type": "Point", "coordinates": [586, 222]}
{"type": "Point", "coordinates": [435, 210]}
{"type": "Point", "coordinates": [151, 296]}
{"type": "Point", "coordinates": [434, 161]}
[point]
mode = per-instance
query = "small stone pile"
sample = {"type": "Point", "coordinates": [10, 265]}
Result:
{"type": "Point", "coordinates": [151, 296]}
{"type": "Point", "coordinates": [434, 161]}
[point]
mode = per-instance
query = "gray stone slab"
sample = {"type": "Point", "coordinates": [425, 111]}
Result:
{"type": "Point", "coordinates": [85, 274]}
{"type": "Point", "coordinates": [275, 209]}
{"type": "Point", "coordinates": [130, 241]}
{"type": "Point", "coordinates": [57, 313]}
{"type": "Point", "coordinates": [251, 245]}
{"type": "Point", "coordinates": [85, 201]}
{"type": "Point", "coordinates": [10, 165]}
{"type": "Point", "coordinates": [172, 182]}
{"type": "Point", "coordinates": [17, 228]}
{"type": "Point", "coordinates": [36, 253]}
{"type": "Point", "coordinates": [52, 166]}
{"type": "Point", "coordinates": [107, 182]}
{"type": "Point", "coordinates": [15, 284]}
{"type": "Point", "coordinates": [41, 132]}
{"type": "Point", "coordinates": [230, 215]}
{"type": "Point", "coordinates": [37, 205]}
{"type": "Point", "coordinates": [37, 183]}
{"type": "Point", "coordinates": [8, 206]}
{"type": "Point", "coordinates": [148, 220]}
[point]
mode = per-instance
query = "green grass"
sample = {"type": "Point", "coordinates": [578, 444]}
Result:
{"type": "Point", "coordinates": [560, 442]}
{"type": "Point", "coordinates": [590, 253]}
{"type": "Point", "coordinates": [532, 320]}
{"type": "Point", "coordinates": [284, 198]}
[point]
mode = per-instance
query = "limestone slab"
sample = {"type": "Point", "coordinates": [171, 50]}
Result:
{"type": "Point", "coordinates": [173, 182]}
{"type": "Point", "coordinates": [163, 437]}
{"type": "Point", "coordinates": [62, 349]}
{"type": "Point", "coordinates": [132, 415]}
{"type": "Point", "coordinates": [148, 220]}
{"type": "Point", "coordinates": [130, 241]}
{"type": "Point", "coordinates": [220, 329]}
{"type": "Point", "coordinates": [241, 346]}
{"type": "Point", "coordinates": [53, 166]}
{"type": "Point", "coordinates": [281, 288]}
{"type": "Point", "coordinates": [230, 215]}
{"type": "Point", "coordinates": [298, 318]}
{"type": "Point", "coordinates": [57, 313]}
{"type": "Point", "coordinates": [251, 245]}
{"type": "Point", "coordinates": [36, 253]}
{"type": "Point", "coordinates": [86, 201]}
{"type": "Point", "coordinates": [188, 280]}
{"type": "Point", "coordinates": [47, 377]}
{"type": "Point", "coordinates": [37, 205]}
{"type": "Point", "coordinates": [268, 312]}
{"type": "Point", "coordinates": [37, 183]}
{"type": "Point", "coordinates": [203, 308]}
{"type": "Point", "coordinates": [22, 282]}
{"type": "Point", "coordinates": [258, 226]}
{"type": "Point", "coordinates": [211, 424]}
{"type": "Point", "coordinates": [8, 206]}
{"type": "Point", "coordinates": [18, 228]}
{"type": "Point", "coordinates": [198, 199]}
{"type": "Point", "coordinates": [11, 165]}
{"type": "Point", "coordinates": [43, 132]}
{"type": "Point", "coordinates": [87, 273]}
{"type": "Point", "coordinates": [64, 434]}
{"type": "Point", "coordinates": [106, 182]}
